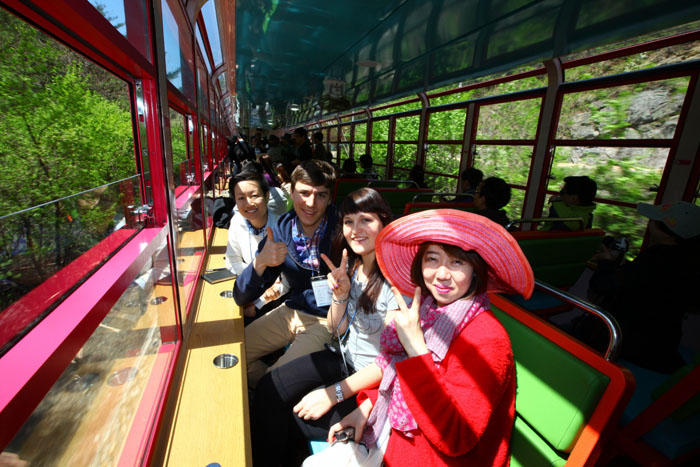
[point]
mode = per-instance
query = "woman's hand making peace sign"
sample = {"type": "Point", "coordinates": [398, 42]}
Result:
{"type": "Point", "coordinates": [407, 321]}
{"type": "Point", "coordinates": [338, 279]}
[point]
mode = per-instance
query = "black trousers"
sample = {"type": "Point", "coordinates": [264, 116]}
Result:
{"type": "Point", "coordinates": [278, 435]}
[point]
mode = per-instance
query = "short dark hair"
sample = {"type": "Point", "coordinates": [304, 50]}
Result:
{"type": "Point", "coordinates": [480, 278]}
{"type": "Point", "coordinates": [496, 192]}
{"type": "Point", "coordinates": [249, 176]}
{"type": "Point", "coordinates": [366, 161]}
{"type": "Point", "coordinates": [582, 186]}
{"type": "Point", "coordinates": [301, 131]}
{"type": "Point", "coordinates": [473, 176]}
{"type": "Point", "coordinates": [349, 165]}
{"type": "Point", "coordinates": [318, 136]}
{"type": "Point", "coordinates": [315, 173]}
{"type": "Point", "coordinates": [274, 139]}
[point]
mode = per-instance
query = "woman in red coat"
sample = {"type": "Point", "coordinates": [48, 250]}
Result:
{"type": "Point", "coordinates": [442, 390]}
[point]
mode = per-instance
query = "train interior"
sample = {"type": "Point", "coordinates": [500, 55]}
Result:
{"type": "Point", "coordinates": [116, 119]}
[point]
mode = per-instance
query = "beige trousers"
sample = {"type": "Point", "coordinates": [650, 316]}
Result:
{"type": "Point", "coordinates": [302, 332]}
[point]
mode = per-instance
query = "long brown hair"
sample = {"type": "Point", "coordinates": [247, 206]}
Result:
{"type": "Point", "coordinates": [481, 268]}
{"type": "Point", "coordinates": [362, 200]}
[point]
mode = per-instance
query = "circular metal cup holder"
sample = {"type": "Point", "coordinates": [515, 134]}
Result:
{"type": "Point", "coordinates": [225, 360]}
{"type": "Point", "coordinates": [158, 300]}
{"type": "Point", "coordinates": [227, 294]}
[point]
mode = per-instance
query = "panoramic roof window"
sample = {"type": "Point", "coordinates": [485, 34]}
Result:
{"type": "Point", "coordinates": [200, 41]}
{"type": "Point", "coordinates": [209, 15]}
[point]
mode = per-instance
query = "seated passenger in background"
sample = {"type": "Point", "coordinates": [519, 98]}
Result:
{"type": "Point", "coordinates": [442, 390]}
{"type": "Point", "coordinates": [276, 151]}
{"type": "Point", "coordinates": [650, 295]}
{"type": "Point", "coordinates": [361, 300]}
{"type": "Point", "coordinates": [417, 174]}
{"type": "Point", "coordinates": [492, 195]}
{"type": "Point", "coordinates": [250, 192]}
{"type": "Point", "coordinates": [302, 146]}
{"type": "Point", "coordinates": [319, 149]}
{"type": "Point", "coordinates": [575, 200]}
{"type": "Point", "coordinates": [366, 166]}
{"type": "Point", "coordinates": [292, 247]}
{"type": "Point", "coordinates": [469, 181]}
{"type": "Point", "coordinates": [349, 166]}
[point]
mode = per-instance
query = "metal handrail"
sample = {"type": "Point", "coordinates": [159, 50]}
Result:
{"type": "Point", "coordinates": [437, 193]}
{"type": "Point", "coordinates": [613, 327]}
{"type": "Point", "coordinates": [546, 219]}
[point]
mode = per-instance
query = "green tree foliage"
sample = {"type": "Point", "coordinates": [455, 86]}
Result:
{"type": "Point", "coordinates": [65, 127]}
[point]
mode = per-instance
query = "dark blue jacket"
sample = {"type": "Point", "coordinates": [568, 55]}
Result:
{"type": "Point", "coordinates": [249, 286]}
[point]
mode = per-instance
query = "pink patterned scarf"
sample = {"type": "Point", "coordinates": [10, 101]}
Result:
{"type": "Point", "coordinates": [441, 325]}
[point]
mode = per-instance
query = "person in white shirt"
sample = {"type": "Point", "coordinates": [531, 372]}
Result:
{"type": "Point", "coordinates": [248, 226]}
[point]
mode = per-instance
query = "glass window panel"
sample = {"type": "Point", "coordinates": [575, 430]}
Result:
{"type": "Point", "coordinates": [113, 11]}
{"type": "Point", "coordinates": [181, 165]}
{"type": "Point", "coordinates": [511, 163]}
{"type": "Point", "coordinates": [514, 208]}
{"type": "Point", "coordinates": [407, 128]}
{"type": "Point", "coordinates": [344, 151]}
{"type": "Point", "coordinates": [190, 243]}
{"type": "Point", "coordinates": [405, 155]}
{"type": "Point", "coordinates": [360, 132]}
{"type": "Point", "coordinates": [67, 170]}
{"type": "Point", "coordinates": [502, 88]}
{"type": "Point", "coordinates": [447, 125]}
{"type": "Point", "coordinates": [379, 154]}
{"type": "Point", "coordinates": [622, 174]}
{"type": "Point", "coordinates": [345, 133]}
{"type": "Point", "coordinates": [171, 37]}
{"type": "Point", "coordinates": [443, 158]}
{"type": "Point", "coordinates": [398, 108]}
{"type": "Point", "coordinates": [510, 120]}
{"type": "Point", "coordinates": [88, 413]}
{"type": "Point", "coordinates": [209, 14]}
{"type": "Point", "coordinates": [440, 183]}
{"type": "Point", "coordinates": [635, 111]}
{"type": "Point", "coordinates": [202, 49]}
{"type": "Point", "coordinates": [222, 82]}
{"type": "Point", "coordinates": [380, 130]}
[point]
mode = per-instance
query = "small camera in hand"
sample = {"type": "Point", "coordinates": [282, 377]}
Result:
{"type": "Point", "coordinates": [345, 435]}
{"type": "Point", "coordinates": [616, 244]}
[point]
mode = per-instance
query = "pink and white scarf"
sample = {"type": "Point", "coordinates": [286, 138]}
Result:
{"type": "Point", "coordinates": [441, 325]}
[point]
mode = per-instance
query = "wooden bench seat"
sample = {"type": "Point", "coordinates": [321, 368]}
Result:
{"type": "Point", "coordinates": [207, 417]}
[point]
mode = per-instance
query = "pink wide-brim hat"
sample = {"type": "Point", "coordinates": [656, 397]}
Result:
{"type": "Point", "coordinates": [397, 244]}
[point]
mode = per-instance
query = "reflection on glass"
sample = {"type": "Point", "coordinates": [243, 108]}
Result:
{"type": "Point", "coordinates": [202, 49]}
{"type": "Point", "coordinates": [190, 245]}
{"type": "Point", "coordinates": [37, 243]}
{"type": "Point", "coordinates": [181, 164]}
{"type": "Point", "coordinates": [173, 62]}
{"type": "Point", "coordinates": [113, 11]}
{"type": "Point", "coordinates": [209, 14]}
{"type": "Point", "coordinates": [88, 413]}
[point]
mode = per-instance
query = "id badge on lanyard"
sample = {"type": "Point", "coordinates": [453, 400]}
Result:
{"type": "Point", "coordinates": [322, 293]}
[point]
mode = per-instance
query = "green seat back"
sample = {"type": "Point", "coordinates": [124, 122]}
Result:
{"type": "Point", "coordinates": [559, 259]}
{"type": "Point", "coordinates": [397, 198]}
{"type": "Point", "coordinates": [529, 449]}
{"type": "Point", "coordinates": [344, 187]}
{"type": "Point", "coordinates": [557, 392]}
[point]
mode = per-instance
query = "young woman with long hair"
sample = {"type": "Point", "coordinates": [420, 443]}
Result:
{"type": "Point", "coordinates": [357, 315]}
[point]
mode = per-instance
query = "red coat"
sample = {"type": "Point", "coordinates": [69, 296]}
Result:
{"type": "Point", "coordinates": [465, 408]}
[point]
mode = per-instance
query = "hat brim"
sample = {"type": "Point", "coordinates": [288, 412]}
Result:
{"type": "Point", "coordinates": [398, 243]}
